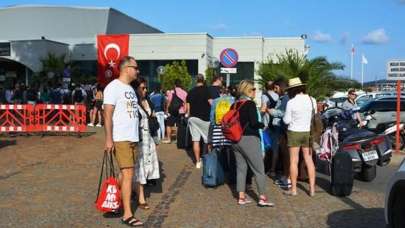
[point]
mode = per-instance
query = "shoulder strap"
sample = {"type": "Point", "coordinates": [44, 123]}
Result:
{"type": "Point", "coordinates": [240, 103]}
{"type": "Point", "coordinates": [312, 106]}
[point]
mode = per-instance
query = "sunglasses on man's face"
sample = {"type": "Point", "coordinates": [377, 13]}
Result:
{"type": "Point", "coordinates": [135, 67]}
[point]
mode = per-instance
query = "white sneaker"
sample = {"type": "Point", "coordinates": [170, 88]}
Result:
{"type": "Point", "coordinates": [198, 165]}
{"type": "Point", "coordinates": [90, 125]}
{"type": "Point", "coordinates": [98, 125]}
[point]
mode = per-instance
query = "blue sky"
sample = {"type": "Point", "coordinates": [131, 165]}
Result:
{"type": "Point", "coordinates": [375, 27]}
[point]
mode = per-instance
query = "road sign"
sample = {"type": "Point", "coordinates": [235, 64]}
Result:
{"type": "Point", "coordinates": [229, 57]}
{"type": "Point", "coordinates": [396, 70]}
{"type": "Point", "coordinates": [160, 70]}
{"type": "Point", "coordinates": [228, 70]}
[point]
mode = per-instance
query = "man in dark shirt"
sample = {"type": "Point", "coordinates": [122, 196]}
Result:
{"type": "Point", "coordinates": [215, 88]}
{"type": "Point", "coordinates": [198, 109]}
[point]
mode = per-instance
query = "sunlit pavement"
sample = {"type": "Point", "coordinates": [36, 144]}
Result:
{"type": "Point", "coordinates": [52, 181]}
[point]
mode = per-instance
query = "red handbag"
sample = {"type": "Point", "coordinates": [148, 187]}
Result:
{"type": "Point", "coordinates": [109, 195]}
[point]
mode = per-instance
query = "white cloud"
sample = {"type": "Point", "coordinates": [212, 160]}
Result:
{"type": "Point", "coordinates": [220, 27]}
{"type": "Point", "coordinates": [377, 36]}
{"type": "Point", "coordinates": [345, 37]}
{"type": "Point", "coordinates": [321, 37]}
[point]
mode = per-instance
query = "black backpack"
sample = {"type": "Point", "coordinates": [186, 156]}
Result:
{"type": "Point", "coordinates": [175, 104]}
{"type": "Point", "coordinates": [271, 103]}
{"type": "Point", "coordinates": [78, 97]}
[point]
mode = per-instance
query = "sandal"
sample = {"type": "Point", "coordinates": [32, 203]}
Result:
{"type": "Point", "coordinates": [290, 193]}
{"type": "Point", "coordinates": [132, 221]}
{"type": "Point", "coordinates": [243, 200]}
{"type": "Point", "coordinates": [144, 206]}
{"type": "Point", "coordinates": [264, 202]}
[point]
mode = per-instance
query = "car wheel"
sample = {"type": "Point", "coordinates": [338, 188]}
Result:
{"type": "Point", "coordinates": [368, 173]}
{"type": "Point", "coordinates": [398, 209]}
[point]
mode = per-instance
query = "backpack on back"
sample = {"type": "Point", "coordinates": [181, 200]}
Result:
{"type": "Point", "coordinates": [231, 126]}
{"type": "Point", "coordinates": [221, 108]}
{"type": "Point", "coordinates": [175, 104]}
{"type": "Point", "coordinates": [271, 103]}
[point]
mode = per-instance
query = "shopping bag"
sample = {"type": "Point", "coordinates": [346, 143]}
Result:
{"type": "Point", "coordinates": [109, 194]}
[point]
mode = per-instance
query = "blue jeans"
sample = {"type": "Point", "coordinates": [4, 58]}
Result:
{"type": "Point", "coordinates": [161, 120]}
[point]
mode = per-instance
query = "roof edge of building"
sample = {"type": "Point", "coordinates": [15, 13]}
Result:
{"type": "Point", "coordinates": [53, 6]}
{"type": "Point", "coordinates": [132, 18]}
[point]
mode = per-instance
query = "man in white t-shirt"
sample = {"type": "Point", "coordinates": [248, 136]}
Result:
{"type": "Point", "coordinates": [121, 129]}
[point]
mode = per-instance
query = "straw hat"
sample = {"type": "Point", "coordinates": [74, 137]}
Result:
{"type": "Point", "coordinates": [294, 82]}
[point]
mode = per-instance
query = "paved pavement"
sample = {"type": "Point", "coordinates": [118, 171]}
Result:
{"type": "Point", "coordinates": [52, 181]}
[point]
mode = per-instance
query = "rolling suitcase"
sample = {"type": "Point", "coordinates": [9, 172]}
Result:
{"type": "Point", "coordinates": [341, 174]}
{"type": "Point", "coordinates": [213, 172]}
{"type": "Point", "coordinates": [182, 133]}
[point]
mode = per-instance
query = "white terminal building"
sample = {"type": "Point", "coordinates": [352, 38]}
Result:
{"type": "Point", "coordinates": [29, 32]}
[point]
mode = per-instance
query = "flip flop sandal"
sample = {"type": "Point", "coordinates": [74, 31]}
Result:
{"type": "Point", "coordinates": [132, 221]}
{"type": "Point", "coordinates": [144, 206]}
{"type": "Point", "coordinates": [290, 193]}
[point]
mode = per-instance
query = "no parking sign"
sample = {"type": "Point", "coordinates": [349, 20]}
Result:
{"type": "Point", "coordinates": [229, 57]}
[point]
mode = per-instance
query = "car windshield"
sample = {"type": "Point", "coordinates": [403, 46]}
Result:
{"type": "Point", "coordinates": [362, 101]}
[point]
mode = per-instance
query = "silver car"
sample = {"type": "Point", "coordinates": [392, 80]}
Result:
{"type": "Point", "coordinates": [395, 199]}
{"type": "Point", "coordinates": [383, 113]}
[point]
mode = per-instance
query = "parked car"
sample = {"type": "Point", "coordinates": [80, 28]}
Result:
{"type": "Point", "coordinates": [367, 97]}
{"type": "Point", "coordinates": [395, 199]}
{"type": "Point", "coordinates": [335, 102]}
{"type": "Point", "coordinates": [384, 113]}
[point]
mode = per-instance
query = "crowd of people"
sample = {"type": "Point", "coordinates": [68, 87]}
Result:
{"type": "Point", "coordinates": [136, 121]}
{"type": "Point", "coordinates": [86, 94]}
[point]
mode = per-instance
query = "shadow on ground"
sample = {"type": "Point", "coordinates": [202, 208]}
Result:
{"type": "Point", "coordinates": [4, 143]}
{"type": "Point", "coordinates": [365, 217]}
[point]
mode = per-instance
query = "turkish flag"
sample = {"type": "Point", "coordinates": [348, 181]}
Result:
{"type": "Point", "coordinates": [110, 50]}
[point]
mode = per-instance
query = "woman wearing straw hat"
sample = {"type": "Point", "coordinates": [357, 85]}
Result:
{"type": "Point", "coordinates": [298, 118]}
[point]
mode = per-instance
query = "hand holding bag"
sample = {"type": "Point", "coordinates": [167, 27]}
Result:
{"type": "Point", "coordinates": [109, 195]}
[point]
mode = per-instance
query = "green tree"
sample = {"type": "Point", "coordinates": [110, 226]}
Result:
{"type": "Point", "coordinates": [318, 73]}
{"type": "Point", "coordinates": [209, 74]}
{"type": "Point", "coordinates": [173, 71]}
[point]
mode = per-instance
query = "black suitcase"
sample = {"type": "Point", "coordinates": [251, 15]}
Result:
{"type": "Point", "coordinates": [182, 134]}
{"type": "Point", "coordinates": [341, 174]}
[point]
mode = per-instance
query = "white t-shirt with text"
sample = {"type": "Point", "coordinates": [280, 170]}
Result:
{"type": "Point", "coordinates": [125, 117]}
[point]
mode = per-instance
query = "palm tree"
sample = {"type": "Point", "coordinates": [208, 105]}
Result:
{"type": "Point", "coordinates": [318, 72]}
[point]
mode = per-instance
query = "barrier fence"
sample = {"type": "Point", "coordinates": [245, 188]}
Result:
{"type": "Point", "coordinates": [42, 118]}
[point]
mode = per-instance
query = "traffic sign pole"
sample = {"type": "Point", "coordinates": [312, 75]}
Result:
{"type": "Point", "coordinates": [229, 58]}
{"type": "Point", "coordinates": [397, 146]}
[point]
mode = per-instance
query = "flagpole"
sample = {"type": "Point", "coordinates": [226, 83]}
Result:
{"type": "Point", "coordinates": [362, 74]}
{"type": "Point", "coordinates": [351, 63]}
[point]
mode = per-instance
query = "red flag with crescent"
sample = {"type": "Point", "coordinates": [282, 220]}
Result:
{"type": "Point", "coordinates": [110, 50]}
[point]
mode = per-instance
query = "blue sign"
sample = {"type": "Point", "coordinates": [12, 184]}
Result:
{"type": "Point", "coordinates": [229, 57]}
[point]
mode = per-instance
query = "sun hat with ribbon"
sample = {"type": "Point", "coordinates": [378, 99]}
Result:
{"type": "Point", "coordinates": [295, 82]}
